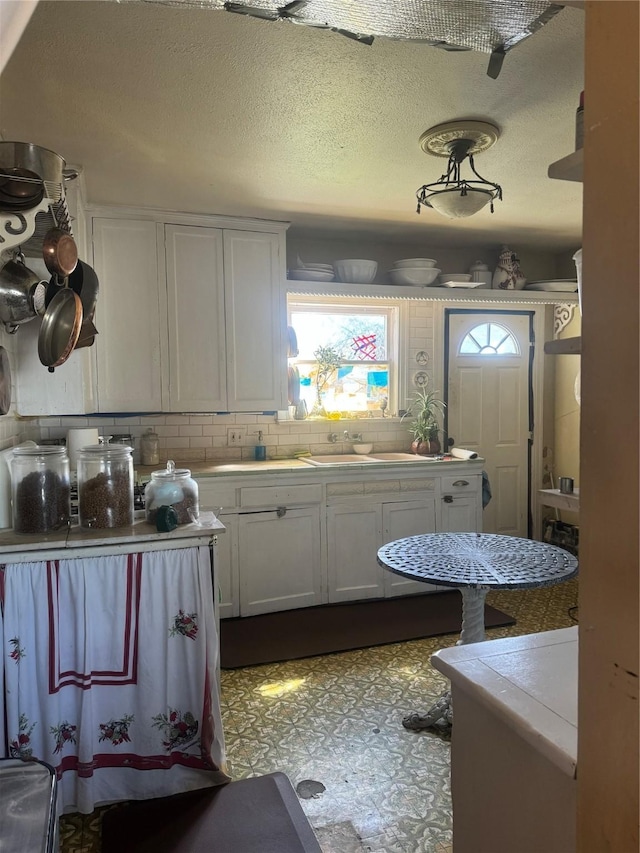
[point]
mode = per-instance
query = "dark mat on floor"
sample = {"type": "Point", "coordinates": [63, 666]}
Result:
{"type": "Point", "coordinates": [309, 631]}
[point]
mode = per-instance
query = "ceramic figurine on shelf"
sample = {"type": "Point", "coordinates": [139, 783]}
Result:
{"type": "Point", "coordinates": [508, 275]}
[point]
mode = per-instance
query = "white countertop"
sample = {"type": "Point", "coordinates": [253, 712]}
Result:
{"type": "Point", "coordinates": [20, 548]}
{"type": "Point", "coordinates": [530, 682]}
{"type": "Point", "coordinates": [219, 468]}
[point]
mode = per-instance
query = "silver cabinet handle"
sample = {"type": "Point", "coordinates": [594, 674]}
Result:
{"type": "Point", "coordinates": [448, 499]}
{"type": "Point", "coordinates": [461, 483]}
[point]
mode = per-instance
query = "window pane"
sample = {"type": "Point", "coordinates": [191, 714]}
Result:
{"type": "Point", "coordinates": [360, 337]}
{"type": "Point", "coordinates": [489, 339]}
{"type": "Point", "coordinates": [356, 388]}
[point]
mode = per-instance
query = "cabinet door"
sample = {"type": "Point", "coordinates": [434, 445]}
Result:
{"type": "Point", "coordinates": [459, 514]}
{"type": "Point", "coordinates": [354, 535]}
{"type": "Point", "coordinates": [461, 504]}
{"type": "Point", "coordinates": [255, 311]}
{"type": "Point", "coordinates": [129, 367]}
{"type": "Point", "coordinates": [408, 518]}
{"type": "Point", "coordinates": [226, 569]}
{"type": "Point", "coordinates": [279, 560]}
{"type": "Point", "coordinates": [195, 318]}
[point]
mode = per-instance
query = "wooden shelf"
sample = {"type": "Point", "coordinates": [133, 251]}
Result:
{"type": "Point", "coordinates": [569, 168]}
{"type": "Point", "coordinates": [564, 346]}
{"type": "Point", "coordinates": [437, 294]}
{"type": "Point", "coordinates": [560, 500]}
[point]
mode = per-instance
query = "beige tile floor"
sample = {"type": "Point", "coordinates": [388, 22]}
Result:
{"type": "Point", "coordinates": [336, 720]}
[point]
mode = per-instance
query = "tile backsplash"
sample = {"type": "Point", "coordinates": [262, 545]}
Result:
{"type": "Point", "coordinates": [204, 437]}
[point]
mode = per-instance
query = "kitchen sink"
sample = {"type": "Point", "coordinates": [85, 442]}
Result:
{"type": "Point", "coordinates": [338, 459]}
{"type": "Point", "coordinates": [359, 459]}
{"type": "Point", "coordinates": [403, 457]}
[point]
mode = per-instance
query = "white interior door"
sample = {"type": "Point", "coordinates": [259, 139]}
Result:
{"type": "Point", "coordinates": [488, 386]}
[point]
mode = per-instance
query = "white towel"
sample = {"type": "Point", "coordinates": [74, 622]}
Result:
{"type": "Point", "coordinates": [461, 453]}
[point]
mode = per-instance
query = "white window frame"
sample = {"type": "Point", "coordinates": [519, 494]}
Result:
{"type": "Point", "coordinates": [360, 305]}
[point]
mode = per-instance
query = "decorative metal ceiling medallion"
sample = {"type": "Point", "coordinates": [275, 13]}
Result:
{"type": "Point", "coordinates": [437, 140]}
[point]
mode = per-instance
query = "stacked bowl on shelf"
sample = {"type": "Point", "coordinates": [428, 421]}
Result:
{"type": "Point", "coordinates": [415, 272]}
{"type": "Point", "coordinates": [356, 270]}
{"type": "Point", "coordinates": [312, 272]}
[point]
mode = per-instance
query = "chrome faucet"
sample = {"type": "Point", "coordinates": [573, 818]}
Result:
{"type": "Point", "coordinates": [333, 437]}
{"type": "Point", "coordinates": [357, 436]}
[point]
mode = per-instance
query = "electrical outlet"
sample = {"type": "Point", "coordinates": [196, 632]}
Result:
{"type": "Point", "coordinates": [236, 436]}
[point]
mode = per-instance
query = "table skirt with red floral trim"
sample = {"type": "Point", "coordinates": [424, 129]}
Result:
{"type": "Point", "coordinates": [111, 674]}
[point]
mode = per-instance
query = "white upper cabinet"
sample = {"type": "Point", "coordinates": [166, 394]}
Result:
{"type": "Point", "coordinates": [195, 319]}
{"type": "Point", "coordinates": [192, 318]}
{"type": "Point", "coordinates": [226, 317]}
{"type": "Point", "coordinates": [128, 353]}
{"type": "Point", "coordinates": [255, 303]}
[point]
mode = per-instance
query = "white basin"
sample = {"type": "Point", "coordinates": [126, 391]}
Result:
{"type": "Point", "coordinates": [402, 457]}
{"type": "Point", "coordinates": [349, 458]}
{"type": "Point", "coordinates": [338, 459]}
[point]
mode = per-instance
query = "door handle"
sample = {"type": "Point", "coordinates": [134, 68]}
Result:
{"type": "Point", "coordinates": [448, 499]}
{"type": "Point", "coordinates": [461, 483]}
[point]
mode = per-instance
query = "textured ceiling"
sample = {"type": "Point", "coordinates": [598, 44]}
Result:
{"type": "Point", "coordinates": [209, 112]}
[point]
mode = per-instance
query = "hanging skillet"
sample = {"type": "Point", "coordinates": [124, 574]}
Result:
{"type": "Point", "coordinates": [60, 328]}
{"type": "Point", "coordinates": [59, 252]}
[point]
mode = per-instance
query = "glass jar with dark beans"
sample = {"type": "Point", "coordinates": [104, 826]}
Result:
{"type": "Point", "coordinates": [40, 492]}
{"type": "Point", "coordinates": [105, 486]}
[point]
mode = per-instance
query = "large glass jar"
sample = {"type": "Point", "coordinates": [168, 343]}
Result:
{"type": "Point", "coordinates": [172, 487]}
{"type": "Point", "coordinates": [40, 492]}
{"type": "Point", "coordinates": [105, 486]}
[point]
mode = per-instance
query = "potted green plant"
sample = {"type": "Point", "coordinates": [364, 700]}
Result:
{"type": "Point", "coordinates": [425, 409]}
{"type": "Point", "coordinates": [329, 359]}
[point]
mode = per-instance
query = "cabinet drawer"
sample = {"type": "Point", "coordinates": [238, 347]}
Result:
{"type": "Point", "coordinates": [213, 495]}
{"type": "Point", "coordinates": [281, 495]}
{"type": "Point", "coordinates": [460, 483]}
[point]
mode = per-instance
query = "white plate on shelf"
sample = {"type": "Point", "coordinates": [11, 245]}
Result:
{"type": "Point", "coordinates": [466, 284]}
{"type": "Point", "coordinates": [311, 275]}
{"type": "Point", "coordinates": [559, 285]}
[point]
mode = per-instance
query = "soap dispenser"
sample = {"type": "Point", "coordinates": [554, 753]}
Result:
{"type": "Point", "coordinates": [260, 449]}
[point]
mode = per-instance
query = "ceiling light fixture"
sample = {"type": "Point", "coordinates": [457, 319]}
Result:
{"type": "Point", "coordinates": [453, 195]}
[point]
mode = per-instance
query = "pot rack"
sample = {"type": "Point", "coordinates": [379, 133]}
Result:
{"type": "Point", "coordinates": [26, 229]}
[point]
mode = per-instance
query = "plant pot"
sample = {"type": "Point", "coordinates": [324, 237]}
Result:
{"type": "Point", "coordinates": [426, 448]}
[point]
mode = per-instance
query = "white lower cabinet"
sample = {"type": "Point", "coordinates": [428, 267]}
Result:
{"type": "Point", "coordinates": [226, 563]}
{"type": "Point", "coordinates": [279, 559]}
{"type": "Point", "coordinates": [461, 504]}
{"type": "Point", "coordinates": [353, 534]}
{"type": "Point", "coordinates": [356, 531]}
{"type": "Point", "coordinates": [409, 518]}
{"type": "Point", "coordinates": [293, 543]}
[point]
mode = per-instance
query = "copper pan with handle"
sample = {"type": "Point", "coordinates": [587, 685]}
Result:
{"type": "Point", "coordinates": [60, 329]}
{"type": "Point", "coordinates": [59, 252]}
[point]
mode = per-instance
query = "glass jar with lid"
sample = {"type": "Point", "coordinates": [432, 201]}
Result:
{"type": "Point", "coordinates": [105, 485]}
{"type": "Point", "coordinates": [40, 491]}
{"type": "Point", "coordinates": [172, 487]}
{"type": "Point", "coordinates": [149, 448]}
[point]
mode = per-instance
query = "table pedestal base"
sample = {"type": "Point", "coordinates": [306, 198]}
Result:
{"type": "Point", "coordinates": [440, 715]}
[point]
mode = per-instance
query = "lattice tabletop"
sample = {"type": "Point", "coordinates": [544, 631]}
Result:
{"type": "Point", "coordinates": [481, 560]}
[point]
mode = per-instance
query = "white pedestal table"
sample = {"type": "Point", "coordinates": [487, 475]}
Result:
{"type": "Point", "coordinates": [474, 563]}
